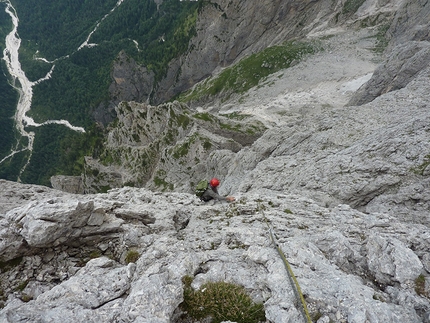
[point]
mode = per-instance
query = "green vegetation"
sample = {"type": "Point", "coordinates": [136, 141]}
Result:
{"type": "Point", "coordinates": [182, 149]}
{"type": "Point", "coordinates": [159, 181]}
{"type": "Point", "coordinates": [95, 254]}
{"type": "Point", "coordinates": [3, 297]}
{"type": "Point", "coordinates": [351, 6]}
{"type": "Point", "coordinates": [58, 28]}
{"type": "Point", "coordinates": [79, 85]}
{"type": "Point", "coordinates": [8, 265]}
{"type": "Point", "coordinates": [63, 155]}
{"type": "Point", "coordinates": [182, 120]}
{"type": "Point", "coordinates": [204, 116]}
{"type": "Point", "coordinates": [236, 116]}
{"type": "Point", "coordinates": [232, 125]}
{"type": "Point", "coordinates": [316, 316]}
{"type": "Point", "coordinates": [237, 127]}
{"type": "Point", "coordinates": [26, 298]}
{"type": "Point", "coordinates": [381, 39]}
{"type": "Point", "coordinates": [207, 145]}
{"type": "Point", "coordinates": [379, 297]}
{"type": "Point", "coordinates": [22, 285]}
{"type": "Point", "coordinates": [250, 70]}
{"type": "Point", "coordinates": [131, 256]}
{"type": "Point", "coordinates": [5, 24]}
{"type": "Point", "coordinates": [8, 98]}
{"type": "Point", "coordinates": [420, 169]}
{"type": "Point", "coordinates": [222, 301]}
{"type": "Point", "coordinates": [420, 286]}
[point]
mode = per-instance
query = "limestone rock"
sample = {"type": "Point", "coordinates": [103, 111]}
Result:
{"type": "Point", "coordinates": [403, 64]}
{"type": "Point", "coordinates": [408, 52]}
{"type": "Point", "coordinates": [336, 268]}
{"type": "Point", "coordinates": [70, 184]}
{"type": "Point", "coordinates": [100, 282]}
{"type": "Point", "coordinates": [384, 258]}
{"type": "Point", "coordinates": [164, 147]}
{"type": "Point", "coordinates": [131, 81]}
{"type": "Point", "coordinates": [343, 189]}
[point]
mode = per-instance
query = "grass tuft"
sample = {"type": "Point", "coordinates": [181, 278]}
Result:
{"type": "Point", "coordinates": [420, 286]}
{"type": "Point", "coordinates": [221, 301]}
{"type": "Point", "coordinates": [132, 256]}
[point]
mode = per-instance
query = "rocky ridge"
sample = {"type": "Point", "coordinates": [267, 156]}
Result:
{"type": "Point", "coordinates": [228, 31]}
{"type": "Point", "coordinates": [159, 147]}
{"type": "Point", "coordinates": [351, 266]}
{"type": "Point", "coordinates": [344, 188]}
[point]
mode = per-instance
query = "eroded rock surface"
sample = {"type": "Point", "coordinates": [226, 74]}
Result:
{"type": "Point", "coordinates": [351, 266]}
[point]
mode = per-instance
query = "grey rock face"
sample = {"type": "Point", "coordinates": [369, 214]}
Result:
{"type": "Point", "coordinates": [70, 184]}
{"type": "Point", "coordinates": [363, 270]}
{"type": "Point", "coordinates": [76, 299]}
{"type": "Point", "coordinates": [345, 191]}
{"type": "Point", "coordinates": [373, 157]}
{"type": "Point", "coordinates": [408, 52]}
{"type": "Point", "coordinates": [131, 82]}
{"type": "Point", "coordinates": [164, 147]}
{"type": "Point", "coordinates": [61, 220]}
{"type": "Point", "coordinates": [228, 31]}
{"type": "Point", "coordinates": [384, 257]}
{"type": "Point", "coordinates": [411, 22]}
{"type": "Point", "coordinates": [403, 65]}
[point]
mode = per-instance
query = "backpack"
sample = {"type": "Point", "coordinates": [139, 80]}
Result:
{"type": "Point", "coordinates": [201, 187]}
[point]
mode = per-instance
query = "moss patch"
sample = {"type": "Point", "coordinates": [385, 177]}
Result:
{"type": "Point", "coordinates": [131, 256]}
{"type": "Point", "coordinates": [420, 169]}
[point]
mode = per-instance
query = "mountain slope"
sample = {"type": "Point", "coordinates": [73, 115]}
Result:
{"type": "Point", "coordinates": [77, 267]}
{"type": "Point", "coordinates": [344, 188]}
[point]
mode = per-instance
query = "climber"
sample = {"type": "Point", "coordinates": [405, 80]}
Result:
{"type": "Point", "coordinates": [211, 192]}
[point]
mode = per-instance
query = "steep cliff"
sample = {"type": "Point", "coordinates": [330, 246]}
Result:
{"type": "Point", "coordinates": [342, 187]}
{"type": "Point", "coordinates": [408, 52]}
{"type": "Point", "coordinates": [165, 147]}
{"type": "Point", "coordinates": [342, 40]}
{"type": "Point", "coordinates": [228, 31]}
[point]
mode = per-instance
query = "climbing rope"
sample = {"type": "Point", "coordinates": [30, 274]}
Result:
{"type": "Point", "coordinates": [293, 280]}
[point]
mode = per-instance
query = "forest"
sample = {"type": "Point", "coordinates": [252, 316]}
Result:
{"type": "Point", "coordinates": [54, 30]}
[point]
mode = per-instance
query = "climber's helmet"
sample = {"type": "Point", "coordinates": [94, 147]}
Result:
{"type": "Point", "coordinates": [214, 182]}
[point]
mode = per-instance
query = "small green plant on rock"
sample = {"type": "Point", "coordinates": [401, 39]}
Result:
{"type": "Point", "coordinates": [95, 254]}
{"type": "Point", "coordinates": [22, 286]}
{"type": "Point", "coordinates": [378, 298]}
{"type": "Point", "coordinates": [420, 169]}
{"type": "Point", "coordinates": [26, 298]}
{"type": "Point", "coordinates": [3, 297]}
{"type": "Point", "coordinates": [132, 256]}
{"type": "Point", "coordinates": [8, 265]}
{"type": "Point", "coordinates": [221, 301]}
{"type": "Point", "coordinates": [316, 316]}
{"type": "Point", "coordinates": [420, 286]}
{"type": "Point", "coordinates": [352, 6]}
